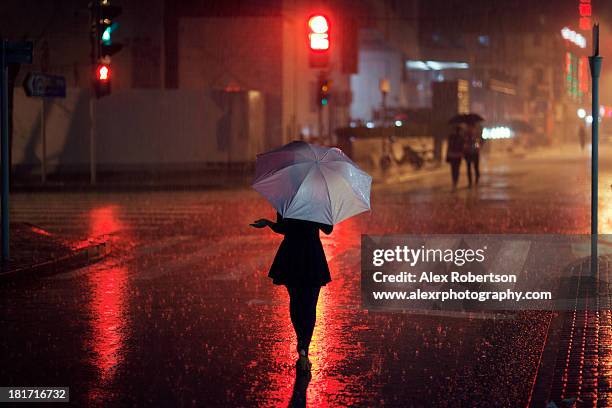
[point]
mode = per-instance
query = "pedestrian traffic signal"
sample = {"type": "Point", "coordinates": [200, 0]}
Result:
{"type": "Point", "coordinates": [318, 40]}
{"type": "Point", "coordinates": [103, 73]}
{"type": "Point", "coordinates": [103, 46]}
{"type": "Point", "coordinates": [106, 27]}
{"type": "Point", "coordinates": [103, 79]}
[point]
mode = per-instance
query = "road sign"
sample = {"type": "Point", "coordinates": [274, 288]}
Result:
{"type": "Point", "coordinates": [19, 52]}
{"type": "Point", "coordinates": [43, 85]}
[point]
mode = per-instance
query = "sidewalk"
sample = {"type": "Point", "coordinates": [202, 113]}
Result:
{"type": "Point", "coordinates": [576, 367]}
{"type": "Point", "coordinates": [35, 252]}
{"type": "Point", "coordinates": [137, 181]}
{"type": "Point", "coordinates": [399, 173]}
{"type": "Point", "coordinates": [241, 177]}
{"type": "Point", "coordinates": [188, 180]}
{"type": "Point", "coordinates": [563, 151]}
{"type": "Point", "coordinates": [403, 173]}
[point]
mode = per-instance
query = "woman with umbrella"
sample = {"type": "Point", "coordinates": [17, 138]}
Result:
{"type": "Point", "coordinates": [301, 266]}
{"type": "Point", "coordinates": [312, 188]}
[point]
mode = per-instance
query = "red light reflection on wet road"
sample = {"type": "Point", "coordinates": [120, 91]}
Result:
{"type": "Point", "coordinates": [327, 349]}
{"type": "Point", "coordinates": [108, 311]}
{"type": "Point", "coordinates": [108, 307]}
{"type": "Point", "coordinates": [104, 220]}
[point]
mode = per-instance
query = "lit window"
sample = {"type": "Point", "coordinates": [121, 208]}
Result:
{"type": "Point", "coordinates": [483, 40]}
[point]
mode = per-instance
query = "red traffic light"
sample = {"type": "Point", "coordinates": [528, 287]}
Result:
{"type": "Point", "coordinates": [102, 79]}
{"type": "Point", "coordinates": [103, 72]}
{"type": "Point", "coordinates": [319, 33]}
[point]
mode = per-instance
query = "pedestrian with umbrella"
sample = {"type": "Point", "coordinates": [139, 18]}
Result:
{"type": "Point", "coordinates": [472, 141]}
{"type": "Point", "coordinates": [312, 188]}
{"type": "Point", "coordinates": [471, 153]}
{"type": "Point", "coordinates": [454, 151]}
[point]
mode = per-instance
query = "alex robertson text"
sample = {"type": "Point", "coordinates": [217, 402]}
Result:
{"type": "Point", "coordinates": [453, 277]}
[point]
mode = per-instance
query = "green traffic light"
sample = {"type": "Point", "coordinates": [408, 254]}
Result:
{"type": "Point", "coordinates": [106, 36]}
{"type": "Point", "coordinates": [324, 101]}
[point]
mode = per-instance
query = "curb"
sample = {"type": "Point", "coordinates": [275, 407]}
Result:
{"type": "Point", "coordinates": [574, 365]}
{"type": "Point", "coordinates": [79, 258]}
{"type": "Point", "coordinates": [415, 176]}
{"type": "Point", "coordinates": [408, 176]}
{"type": "Point", "coordinates": [123, 187]}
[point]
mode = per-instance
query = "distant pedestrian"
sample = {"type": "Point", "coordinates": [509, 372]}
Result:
{"type": "Point", "coordinates": [582, 137]}
{"type": "Point", "coordinates": [454, 152]}
{"type": "Point", "coordinates": [471, 151]}
{"type": "Point", "coordinates": [301, 266]}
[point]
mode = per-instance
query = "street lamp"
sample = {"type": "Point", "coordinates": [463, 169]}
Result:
{"type": "Point", "coordinates": [595, 65]}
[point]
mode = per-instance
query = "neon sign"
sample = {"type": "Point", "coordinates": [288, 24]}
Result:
{"type": "Point", "coordinates": [573, 37]}
{"type": "Point", "coordinates": [585, 11]}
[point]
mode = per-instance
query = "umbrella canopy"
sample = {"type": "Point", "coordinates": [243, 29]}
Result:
{"type": "Point", "coordinates": [313, 183]}
{"type": "Point", "coordinates": [470, 118]}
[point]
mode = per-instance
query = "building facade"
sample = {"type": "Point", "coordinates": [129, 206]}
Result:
{"type": "Point", "coordinates": [247, 61]}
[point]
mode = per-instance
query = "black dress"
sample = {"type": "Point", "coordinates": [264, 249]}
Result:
{"type": "Point", "coordinates": [455, 147]}
{"type": "Point", "coordinates": [300, 260]}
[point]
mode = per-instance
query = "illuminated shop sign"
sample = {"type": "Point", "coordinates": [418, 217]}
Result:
{"type": "Point", "coordinates": [435, 65]}
{"type": "Point", "coordinates": [573, 37]}
{"type": "Point", "coordinates": [585, 11]}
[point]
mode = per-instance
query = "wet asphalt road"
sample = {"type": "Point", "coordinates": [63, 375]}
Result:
{"type": "Point", "coordinates": [182, 313]}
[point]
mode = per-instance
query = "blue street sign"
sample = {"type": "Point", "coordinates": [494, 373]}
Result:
{"type": "Point", "coordinates": [46, 86]}
{"type": "Point", "coordinates": [18, 52]}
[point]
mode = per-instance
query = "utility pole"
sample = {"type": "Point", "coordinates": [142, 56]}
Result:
{"type": "Point", "coordinates": [5, 152]}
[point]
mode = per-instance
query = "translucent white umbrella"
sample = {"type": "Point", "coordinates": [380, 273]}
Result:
{"type": "Point", "coordinates": [313, 183]}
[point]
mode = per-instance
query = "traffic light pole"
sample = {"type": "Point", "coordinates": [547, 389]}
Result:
{"type": "Point", "coordinates": [321, 122]}
{"type": "Point", "coordinates": [43, 137]}
{"type": "Point", "coordinates": [5, 151]}
{"type": "Point", "coordinates": [321, 79]}
{"type": "Point", "coordinates": [95, 55]}
{"type": "Point", "coordinates": [329, 122]}
{"type": "Point", "coordinates": [92, 140]}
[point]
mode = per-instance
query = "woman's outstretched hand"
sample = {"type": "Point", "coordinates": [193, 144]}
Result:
{"type": "Point", "coordinates": [261, 223]}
